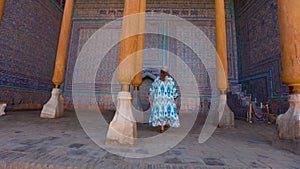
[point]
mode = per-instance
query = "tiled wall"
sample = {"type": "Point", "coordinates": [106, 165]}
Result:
{"type": "Point", "coordinates": [259, 59]}
{"type": "Point", "coordinates": [90, 15]}
{"type": "Point", "coordinates": [28, 38]}
{"type": "Point", "coordinates": [29, 32]}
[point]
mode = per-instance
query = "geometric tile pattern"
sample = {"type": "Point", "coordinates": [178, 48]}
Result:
{"type": "Point", "coordinates": [58, 4]}
{"type": "Point", "coordinates": [29, 33]}
{"type": "Point", "coordinates": [90, 15]}
{"type": "Point", "coordinates": [259, 51]}
{"type": "Point", "coordinates": [28, 38]}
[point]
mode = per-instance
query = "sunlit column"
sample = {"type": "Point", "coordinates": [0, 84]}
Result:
{"type": "Point", "coordinates": [137, 81]}
{"type": "Point", "coordinates": [227, 118]}
{"type": "Point", "coordinates": [122, 129]}
{"type": "Point", "coordinates": [138, 113]}
{"type": "Point", "coordinates": [128, 44]}
{"type": "Point", "coordinates": [289, 24]}
{"type": "Point", "coordinates": [54, 108]}
{"type": "Point", "coordinates": [2, 5]}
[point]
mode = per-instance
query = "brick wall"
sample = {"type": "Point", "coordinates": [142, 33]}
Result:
{"type": "Point", "coordinates": [28, 38]}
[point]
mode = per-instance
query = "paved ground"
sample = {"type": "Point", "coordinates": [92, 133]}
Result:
{"type": "Point", "coordinates": [26, 141]}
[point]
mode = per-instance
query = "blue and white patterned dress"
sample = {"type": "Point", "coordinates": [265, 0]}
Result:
{"type": "Point", "coordinates": [163, 109]}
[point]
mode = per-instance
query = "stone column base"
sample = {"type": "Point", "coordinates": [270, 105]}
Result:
{"type": "Point", "coordinates": [227, 119]}
{"type": "Point", "coordinates": [288, 124]}
{"type": "Point", "coordinates": [53, 108]}
{"type": "Point", "coordinates": [122, 129]}
{"type": "Point", "coordinates": [2, 108]}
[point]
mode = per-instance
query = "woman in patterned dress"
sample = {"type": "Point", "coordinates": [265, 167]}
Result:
{"type": "Point", "coordinates": [163, 109]}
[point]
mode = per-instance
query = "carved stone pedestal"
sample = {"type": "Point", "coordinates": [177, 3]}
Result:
{"type": "Point", "coordinates": [53, 108]}
{"type": "Point", "coordinates": [288, 124]}
{"type": "Point", "coordinates": [2, 108]}
{"type": "Point", "coordinates": [227, 119]}
{"type": "Point", "coordinates": [122, 129]}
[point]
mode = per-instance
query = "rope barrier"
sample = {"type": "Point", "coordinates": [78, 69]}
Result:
{"type": "Point", "coordinates": [262, 116]}
{"type": "Point", "coordinates": [252, 113]}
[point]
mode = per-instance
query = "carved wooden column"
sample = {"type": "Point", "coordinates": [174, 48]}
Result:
{"type": "Point", "coordinates": [138, 78]}
{"type": "Point", "coordinates": [227, 119]}
{"type": "Point", "coordinates": [289, 24]}
{"type": "Point", "coordinates": [54, 108]}
{"type": "Point", "coordinates": [122, 129]}
{"type": "Point", "coordinates": [2, 5]}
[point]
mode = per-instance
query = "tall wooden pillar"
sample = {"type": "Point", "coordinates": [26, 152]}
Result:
{"type": "Point", "coordinates": [137, 81]}
{"type": "Point", "coordinates": [138, 113]}
{"type": "Point", "coordinates": [289, 24]}
{"type": "Point", "coordinates": [122, 129]}
{"type": "Point", "coordinates": [60, 62]}
{"type": "Point", "coordinates": [227, 119]}
{"type": "Point", "coordinates": [128, 45]}
{"type": "Point", "coordinates": [2, 5]}
{"type": "Point", "coordinates": [54, 108]}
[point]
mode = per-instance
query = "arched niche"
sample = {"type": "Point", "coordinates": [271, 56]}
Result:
{"type": "Point", "coordinates": [149, 76]}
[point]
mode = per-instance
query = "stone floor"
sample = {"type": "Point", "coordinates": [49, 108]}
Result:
{"type": "Point", "coordinates": [27, 141]}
